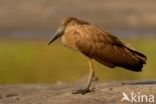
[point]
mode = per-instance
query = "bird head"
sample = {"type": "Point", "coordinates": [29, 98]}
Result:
{"type": "Point", "coordinates": [68, 21]}
{"type": "Point", "coordinates": [60, 31]}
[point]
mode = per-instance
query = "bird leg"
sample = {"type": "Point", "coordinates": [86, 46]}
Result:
{"type": "Point", "coordinates": [91, 75]}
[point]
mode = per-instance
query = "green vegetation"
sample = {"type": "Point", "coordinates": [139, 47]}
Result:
{"type": "Point", "coordinates": [36, 62]}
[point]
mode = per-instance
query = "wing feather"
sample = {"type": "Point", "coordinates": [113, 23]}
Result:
{"type": "Point", "coordinates": [106, 49]}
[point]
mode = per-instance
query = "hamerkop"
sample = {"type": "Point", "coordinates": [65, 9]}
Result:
{"type": "Point", "coordinates": [97, 44]}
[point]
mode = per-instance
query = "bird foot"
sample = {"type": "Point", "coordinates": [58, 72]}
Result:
{"type": "Point", "coordinates": [81, 91]}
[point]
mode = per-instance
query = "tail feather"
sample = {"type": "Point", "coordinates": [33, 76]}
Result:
{"type": "Point", "coordinates": [138, 54]}
{"type": "Point", "coordinates": [141, 56]}
{"type": "Point", "coordinates": [141, 59]}
{"type": "Point", "coordinates": [136, 67]}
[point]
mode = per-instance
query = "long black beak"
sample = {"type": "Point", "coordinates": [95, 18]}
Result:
{"type": "Point", "coordinates": [57, 34]}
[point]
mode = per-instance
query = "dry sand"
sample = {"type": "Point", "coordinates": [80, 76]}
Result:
{"type": "Point", "coordinates": [104, 93]}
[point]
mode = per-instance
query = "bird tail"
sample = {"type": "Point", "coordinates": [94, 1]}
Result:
{"type": "Point", "coordinates": [141, 59]}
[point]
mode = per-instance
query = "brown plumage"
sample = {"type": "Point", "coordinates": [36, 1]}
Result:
{"type": "Point", "coordinates": [99, 45]}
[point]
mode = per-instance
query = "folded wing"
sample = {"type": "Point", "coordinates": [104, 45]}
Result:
{"type": "Point", "coordinates": [108, 49]}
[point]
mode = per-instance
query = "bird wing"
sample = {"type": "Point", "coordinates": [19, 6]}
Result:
{"type": "Point", "coordinates": [105, 48]}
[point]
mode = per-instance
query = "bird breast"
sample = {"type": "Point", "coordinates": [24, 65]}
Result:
{"type": "Point", "coordinates": [69, 39]}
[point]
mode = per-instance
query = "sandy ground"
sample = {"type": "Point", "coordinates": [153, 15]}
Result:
{"type": "Point", "coordinates": [103, 93]}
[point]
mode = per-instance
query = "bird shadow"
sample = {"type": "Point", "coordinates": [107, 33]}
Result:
{"type": "Point", "coordinates": [144, 82]}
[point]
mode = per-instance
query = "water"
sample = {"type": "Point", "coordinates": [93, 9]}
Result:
{"type": "Point", "coordinates": [37, 34]}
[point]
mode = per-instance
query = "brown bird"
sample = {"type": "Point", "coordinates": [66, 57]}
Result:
{"type": "Point", "coordinates": [99, 45]}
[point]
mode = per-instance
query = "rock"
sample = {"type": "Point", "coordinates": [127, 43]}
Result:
{"type": "Point", "coordinates": [103, 93]}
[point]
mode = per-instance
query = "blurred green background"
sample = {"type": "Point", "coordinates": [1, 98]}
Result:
{"type": "Point", "coordinates": [26, 26]}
